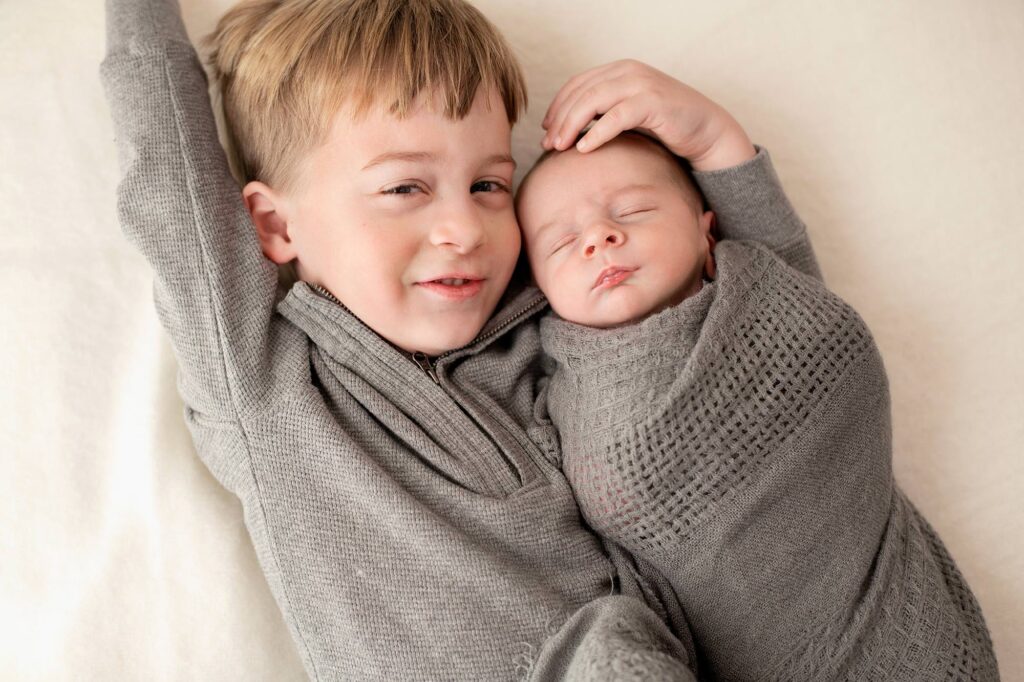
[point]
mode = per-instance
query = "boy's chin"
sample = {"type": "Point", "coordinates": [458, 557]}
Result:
{"type": "Point", "coordinates": [439, 340]}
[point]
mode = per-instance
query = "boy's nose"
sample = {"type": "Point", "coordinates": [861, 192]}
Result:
{"type": "Point", "coordinates": [602, 236]}
{"type": "Point", "coordinates": [459, 229]}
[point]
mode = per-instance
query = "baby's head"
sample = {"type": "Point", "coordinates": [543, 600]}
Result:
{"type": "Point", "coordinates": [374, 141]}
{"type": "Point", "coordinates": [616, 234]}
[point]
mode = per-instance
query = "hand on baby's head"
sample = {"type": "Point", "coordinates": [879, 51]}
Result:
{"type": "Point", "coordinates": [629, 95]}
{"type": "Point", "coordinates": [616, 234]}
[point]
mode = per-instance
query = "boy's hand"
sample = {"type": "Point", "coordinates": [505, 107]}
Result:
{"type": "Point", "coordinates": [628, 95]}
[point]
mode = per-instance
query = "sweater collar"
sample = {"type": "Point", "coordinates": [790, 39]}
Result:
{"type": "Point", "coordinates": [337, 331]}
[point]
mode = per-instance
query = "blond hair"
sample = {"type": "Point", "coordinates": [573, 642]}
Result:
{"type": "Point", "coordinates": [284, 68]}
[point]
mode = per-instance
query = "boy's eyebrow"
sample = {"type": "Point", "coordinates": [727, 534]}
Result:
{"type": "Point", "coordinates": [400, 156]}
{"type": "Point", "coordinates": [427, 156]}
{"type": "Point", "coordinates": [500, 158]}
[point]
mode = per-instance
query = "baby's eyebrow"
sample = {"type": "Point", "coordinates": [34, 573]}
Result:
{"type": "Point", "coordinates": [545, 227]}
{"type": "Point", "coordinates": [636, 187]}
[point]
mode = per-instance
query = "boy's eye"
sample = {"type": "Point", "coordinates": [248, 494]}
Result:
{"type": "Point", "coordinates": [488, 186]}
{"type": "Point", "coordinates": [403, 189]}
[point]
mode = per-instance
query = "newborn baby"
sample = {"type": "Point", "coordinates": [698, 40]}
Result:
{"type": "Point", "coordinates": [725, 419]}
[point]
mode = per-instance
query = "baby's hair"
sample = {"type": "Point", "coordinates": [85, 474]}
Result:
{"type": "Point", "coordinates": [284, 68]}
{"type": "Point", "coordinates": [688, 184]}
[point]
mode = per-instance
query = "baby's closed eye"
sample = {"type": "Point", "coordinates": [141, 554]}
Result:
{"type": "Point", "coordinates": [633, 211]}
{"type": "Point", "coordinates": [562, 242]}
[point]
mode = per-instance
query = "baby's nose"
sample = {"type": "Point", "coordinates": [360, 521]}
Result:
{"type": "Point", "coordinates": [603, 237]}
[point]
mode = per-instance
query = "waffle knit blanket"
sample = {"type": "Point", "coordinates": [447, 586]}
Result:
{"type": "Point", "coordinates": [740, 444]}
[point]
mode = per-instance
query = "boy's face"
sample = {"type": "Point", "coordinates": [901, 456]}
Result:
{"type": "Point", "coordinates": [610, 234]}
{"type": "Point", "coordinates": [409, 222]}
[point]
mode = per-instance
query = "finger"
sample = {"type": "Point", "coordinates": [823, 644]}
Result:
{"type": "Point", "coordinates": [592, 102]}
{"type": "Point", "coordinates": [567, 92]}
{"type": "Point", "coordinates": [624, 116]}
{"type": "Point", "coordinates": [570, 108]}
{"type": "Point", "coordinates": [619, 77]}
{"type": "Point", "coordinates": [578, 116]}
{"type": "Point", "coordinates": [570, 90]}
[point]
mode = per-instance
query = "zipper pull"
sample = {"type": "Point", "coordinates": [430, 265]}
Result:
{"type": "Point", "coordinates": [423, 360]}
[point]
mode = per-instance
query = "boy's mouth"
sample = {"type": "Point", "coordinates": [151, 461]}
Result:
{"type": "Point", "coordinates": [454, 287]}
{"type": "Point", "coordinates": [612, 275]}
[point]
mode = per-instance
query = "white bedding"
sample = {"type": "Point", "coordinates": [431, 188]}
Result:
{"type": "Point", "coordinates": [896, 128]}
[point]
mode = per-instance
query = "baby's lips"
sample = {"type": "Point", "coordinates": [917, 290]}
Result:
{"type": "Point", "coordinates": [611, 271]}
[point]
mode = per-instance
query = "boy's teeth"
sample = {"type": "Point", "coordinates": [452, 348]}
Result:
{"type": "Point", "coordinates": [453, 282]}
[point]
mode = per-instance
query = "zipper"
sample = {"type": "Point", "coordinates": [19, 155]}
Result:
{"type": "Point", "coordinates": [328, 295]}
{"type": "Point", "coordinates": [525, 312]}
{"type": "Point", "coordinates": [423, 360]}
{"type": "Point", "coordinates": [429, 367]}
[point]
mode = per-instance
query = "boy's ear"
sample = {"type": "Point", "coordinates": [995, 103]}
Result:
{"type": "Point", "coordinates": [267, 209]}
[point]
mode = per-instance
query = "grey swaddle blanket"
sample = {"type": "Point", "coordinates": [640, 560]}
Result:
{"type": "Point", "coordinates": [740, 443]}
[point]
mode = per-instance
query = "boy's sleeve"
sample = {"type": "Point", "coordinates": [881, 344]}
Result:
{"type": "Point", "coordinates": [179, 204]}
{"type": "Point", "coordinates": [749, 203]}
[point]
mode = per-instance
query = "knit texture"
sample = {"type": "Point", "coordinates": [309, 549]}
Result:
{"type": "Point", "coordinates": [408, 529]}
{"type": "Point", "coordinates": [624, 644]}
{"type": "Point", "coordinates": [741, 443]}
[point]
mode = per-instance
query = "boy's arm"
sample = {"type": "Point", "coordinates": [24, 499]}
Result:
{"type": "Point", "coordinates": [179, 204]}
{"type": "Point", "coordinates": [737, 178]}
{"type": "Point", "coordinates": [749, 203]}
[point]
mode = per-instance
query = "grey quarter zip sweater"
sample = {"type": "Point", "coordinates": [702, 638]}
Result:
{"type": "Point", "coordinates": [740, 443]}
{"type": "Point", "coordinates": [411, 524]}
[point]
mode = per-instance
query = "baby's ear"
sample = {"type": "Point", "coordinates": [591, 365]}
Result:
{"type": "Point", "coordinates": [268, 216]}
{"type": "Point", "coordinates": [707, 221]}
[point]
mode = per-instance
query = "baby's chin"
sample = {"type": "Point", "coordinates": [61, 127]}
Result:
{"type": "Point", "coordinates": [609, 316]}
{"type": "Point", "coordinates": [625, 306]}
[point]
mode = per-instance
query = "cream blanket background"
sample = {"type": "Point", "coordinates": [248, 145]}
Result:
{"type": "Point", "coordinates": [896, 128]}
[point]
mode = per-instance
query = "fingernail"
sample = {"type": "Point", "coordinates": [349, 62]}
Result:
{"type": "Point", "coordinates": [558, 142]}
{"type": "Point", "coordinates": [582, 144]}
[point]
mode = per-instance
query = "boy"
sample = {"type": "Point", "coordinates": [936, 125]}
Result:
{"type": "Point", "coordinates": [375, 420]}
{"type": "Point", "coordinates": [722, 415]}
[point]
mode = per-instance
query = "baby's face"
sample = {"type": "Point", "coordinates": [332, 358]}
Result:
{"type": "Point", "coordinates": [611, 236]}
